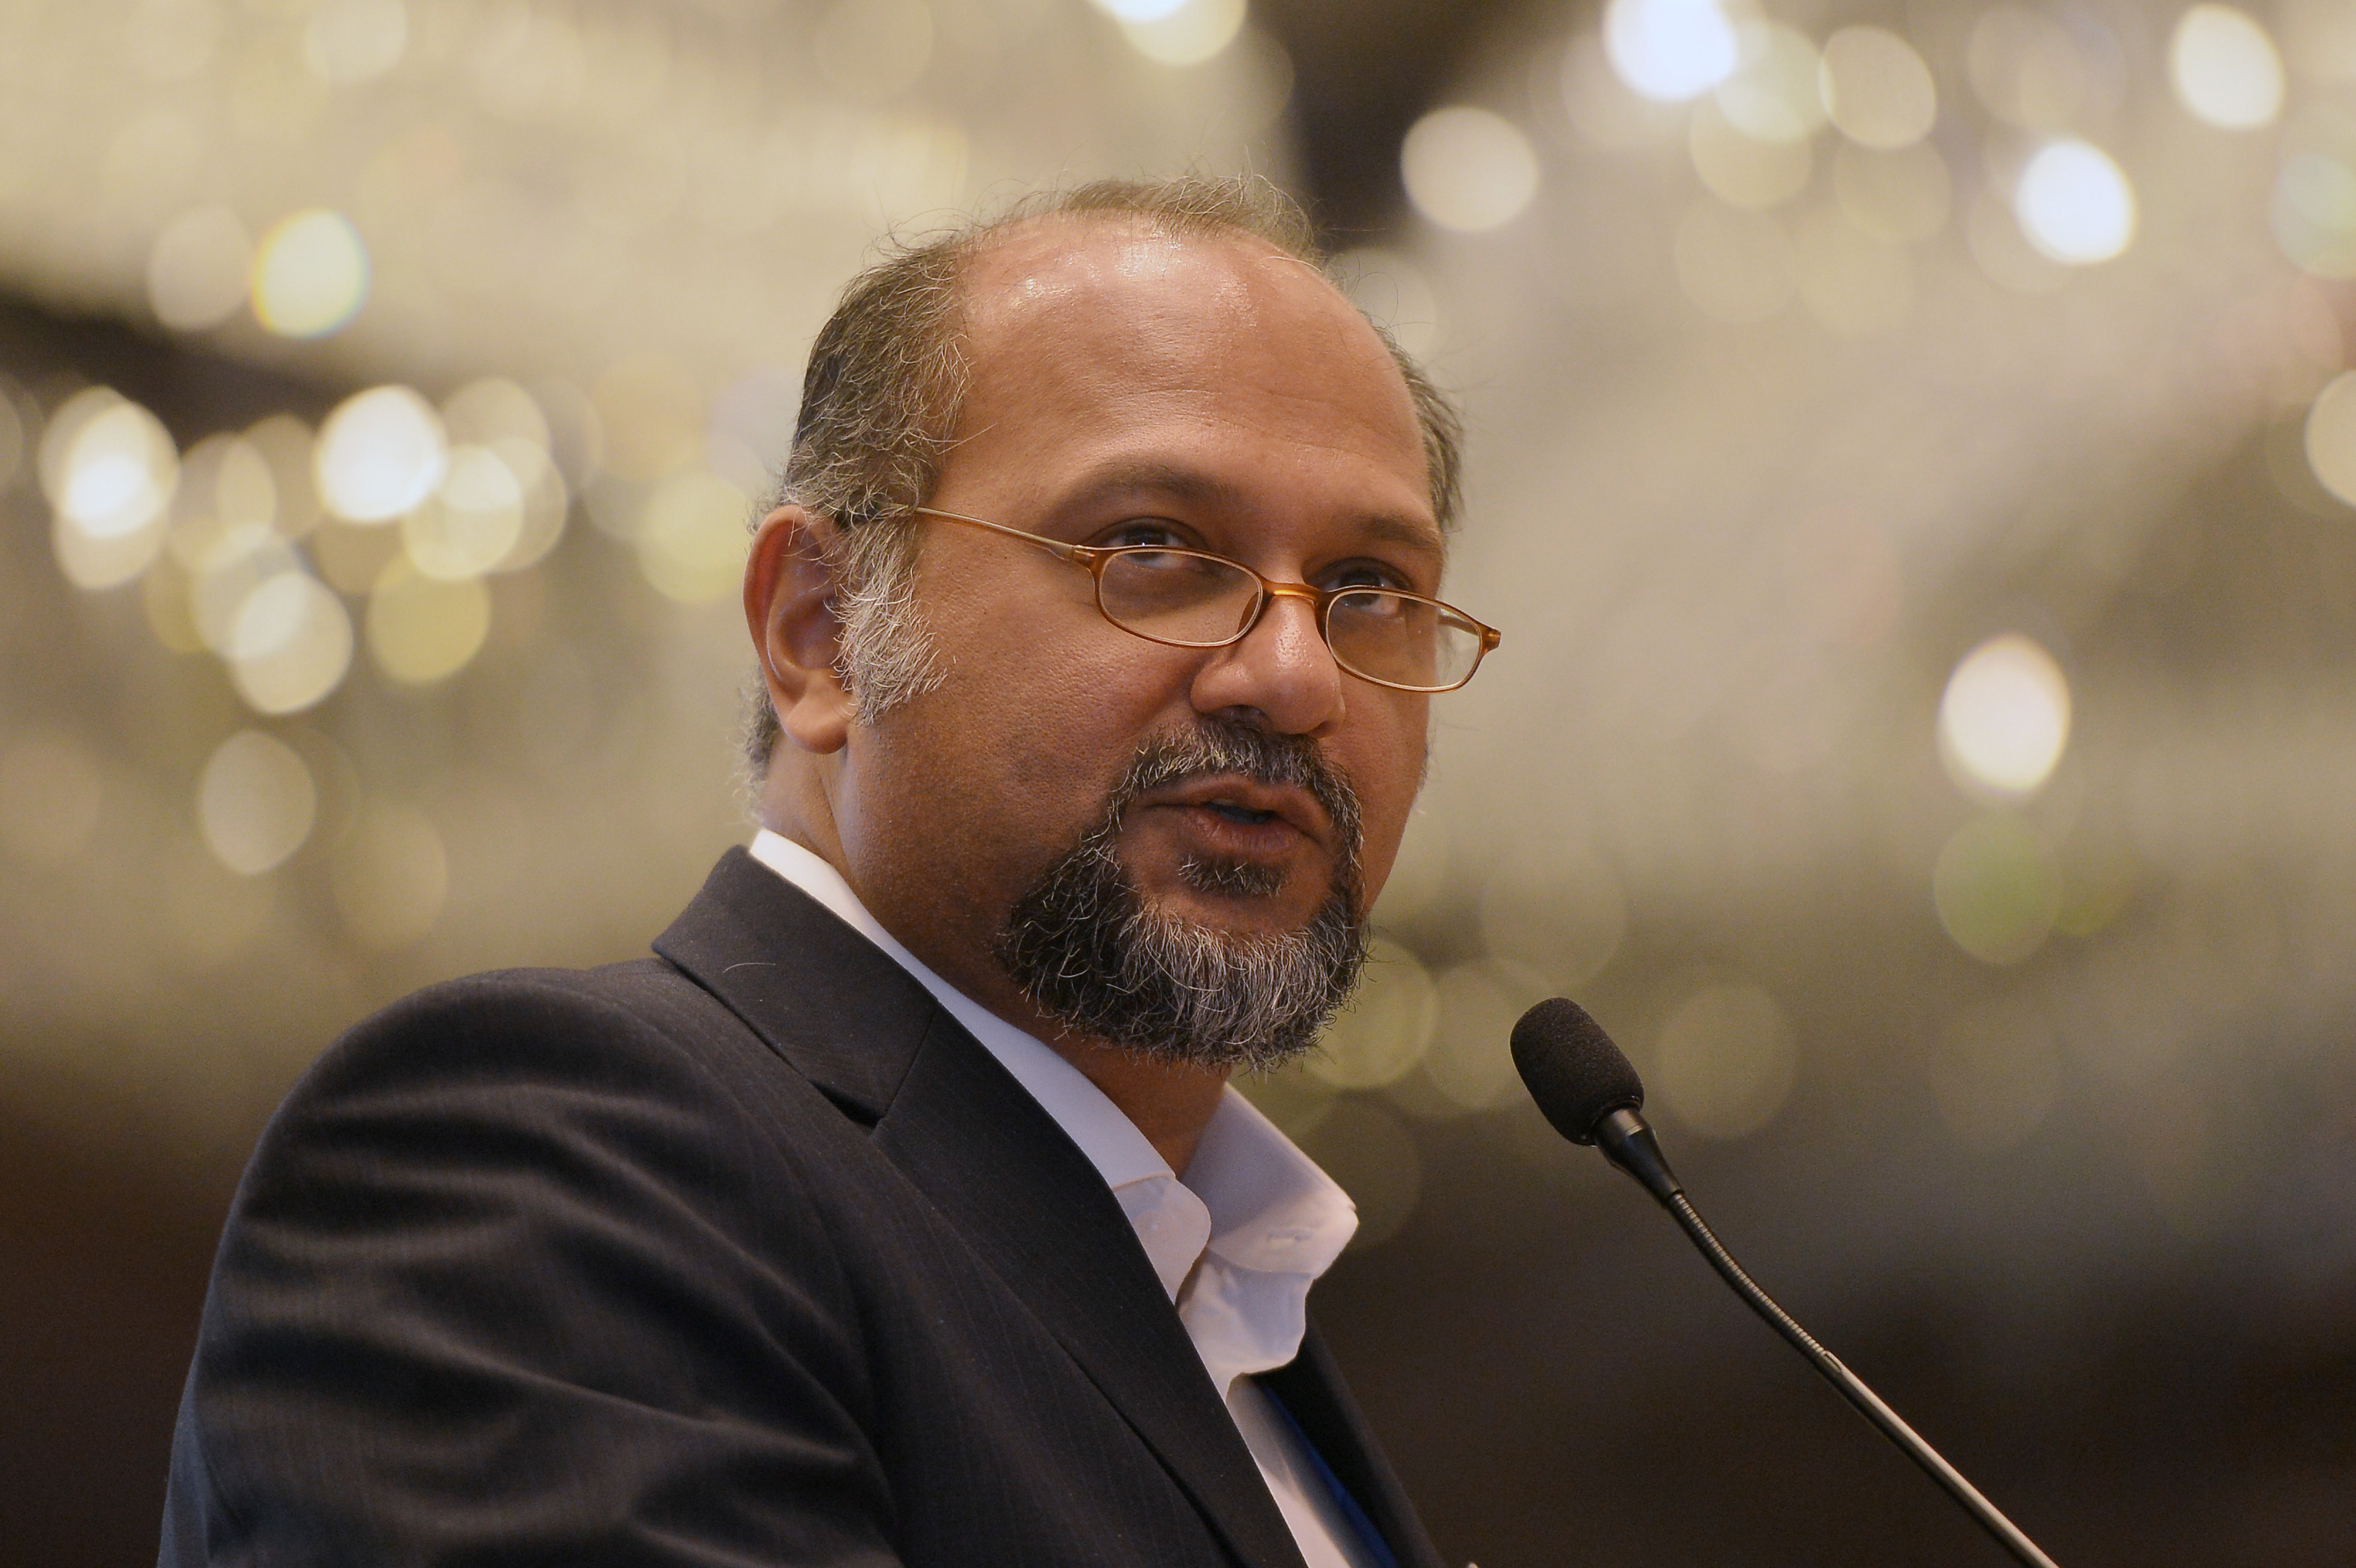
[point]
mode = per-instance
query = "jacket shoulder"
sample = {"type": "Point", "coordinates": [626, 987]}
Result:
{"type": "Point", "coordinates": [627, 1077]}
{"type": "Point", "coordinates": [591, 1206]}
{"type": "Point", "coordinates": [635, 1027]}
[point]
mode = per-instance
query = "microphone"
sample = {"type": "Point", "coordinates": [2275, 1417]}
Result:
{"type": "Point", "coordinates": [1588, 1090]}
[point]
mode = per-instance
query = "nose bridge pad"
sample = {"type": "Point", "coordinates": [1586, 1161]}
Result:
{"type": "Point", "coordinates": [1313, 598]}
{"type": "Point", "coordinates": [1273, 592]}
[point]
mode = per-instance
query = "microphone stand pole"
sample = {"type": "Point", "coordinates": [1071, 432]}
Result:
{"type": "Point", "coordinates": [1628, 1143]}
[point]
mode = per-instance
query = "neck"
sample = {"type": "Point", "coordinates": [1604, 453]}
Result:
{"type": "Point", "coordinates": [1170, 1105]}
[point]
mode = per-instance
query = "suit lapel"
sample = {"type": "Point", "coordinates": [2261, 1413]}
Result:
{"type": "Point", "coordinates": [1006, 1176]}
{"type": "Point", "coordinates": [995, 1165]}
{"type": "Point", "coordinates": [1311, 1388]}
{"type": "Point", "coordinates": [824, 997]}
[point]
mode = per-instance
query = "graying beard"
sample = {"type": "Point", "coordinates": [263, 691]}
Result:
{"type": "Point", "coordinates": [1231, 878]}
{"type": "Point", "coordinates": [1092, 953]}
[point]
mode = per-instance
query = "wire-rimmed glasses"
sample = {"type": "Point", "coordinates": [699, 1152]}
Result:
{"type": "Point", "coordinates": [1191, 598]}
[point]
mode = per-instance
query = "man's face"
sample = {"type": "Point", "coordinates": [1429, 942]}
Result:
{"type": "Point", "coordinates": [1132, 389]}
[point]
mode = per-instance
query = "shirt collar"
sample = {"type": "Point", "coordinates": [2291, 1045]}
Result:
{"type": "Point", "coordinates": [1271, 1208]}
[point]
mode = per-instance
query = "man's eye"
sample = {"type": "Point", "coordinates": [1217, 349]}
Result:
{"type": "Point", "coordinates": [1366, 575]}
{"type": "Point", "coordinates": [1145, 531]}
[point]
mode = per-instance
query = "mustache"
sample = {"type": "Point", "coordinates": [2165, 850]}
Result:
{"type": "Point", "coordinates": [1219, 746]}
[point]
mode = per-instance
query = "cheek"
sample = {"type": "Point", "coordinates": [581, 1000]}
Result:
{"type": "Point", "coordinates": [1387, 770]}
{"type": "Point", "coordinates": [1049, 710]}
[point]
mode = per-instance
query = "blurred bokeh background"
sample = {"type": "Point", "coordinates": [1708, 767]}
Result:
{"type": "Point", "coordinates": [1914, 462]}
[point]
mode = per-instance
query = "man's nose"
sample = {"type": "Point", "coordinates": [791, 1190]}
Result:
{"type": "Point", "coordinates": [1281, 670]}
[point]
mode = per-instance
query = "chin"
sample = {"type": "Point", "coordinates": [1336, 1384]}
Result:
{"type": "Point", "coordinates": [1246, 895]}
{"type": "Point", "coordinates": [1211, 964]}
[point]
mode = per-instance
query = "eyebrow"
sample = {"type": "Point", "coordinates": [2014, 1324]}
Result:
{"type": "Point", "coordinates": [1196, 487]}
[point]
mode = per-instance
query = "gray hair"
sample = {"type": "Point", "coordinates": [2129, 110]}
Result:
{"type": "Point", "coordinates": [887, 378]}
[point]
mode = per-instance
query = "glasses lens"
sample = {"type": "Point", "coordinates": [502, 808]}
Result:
{"type": "Point", "coordinates": [1407, 641]}
{"type": "Point", "coordinates": [1177, 596]}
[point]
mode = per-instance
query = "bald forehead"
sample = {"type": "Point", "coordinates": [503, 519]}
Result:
{"type": "Point", "coordinates": [1115, 272]}
{"type": "Point", "coordinates": [1037, 256]}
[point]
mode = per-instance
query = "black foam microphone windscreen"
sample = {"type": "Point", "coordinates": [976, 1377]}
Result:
{"type": "Point", "coordinates": [1574, 1072]}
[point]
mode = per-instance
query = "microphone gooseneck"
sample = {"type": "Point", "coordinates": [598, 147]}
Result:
{"type": "Point", "coordinates": [1588, 1090]}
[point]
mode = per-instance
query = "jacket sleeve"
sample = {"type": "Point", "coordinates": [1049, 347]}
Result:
{"type": "Point", "coordinates": [514, 1279]}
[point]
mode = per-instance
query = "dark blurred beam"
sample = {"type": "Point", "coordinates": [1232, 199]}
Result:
{"type": "Point", "coordinates": [1362, 71]}
{"type": "Point", "coordinates": [194, 390]}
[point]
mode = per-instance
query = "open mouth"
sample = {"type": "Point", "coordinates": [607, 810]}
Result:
{"type": "Point", "coordinates": [1229, 804]}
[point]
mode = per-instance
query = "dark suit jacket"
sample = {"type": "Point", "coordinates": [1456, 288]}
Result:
{"type": "Point", "coordinates": [746, 1255]}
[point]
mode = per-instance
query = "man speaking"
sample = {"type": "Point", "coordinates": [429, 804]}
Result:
{"type": "Point", "coordinates": [899, 1210]}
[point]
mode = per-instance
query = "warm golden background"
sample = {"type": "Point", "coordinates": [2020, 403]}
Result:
{"type": "Point", "coordinates": [1912, 460]}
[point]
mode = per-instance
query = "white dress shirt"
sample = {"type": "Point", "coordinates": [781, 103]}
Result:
{"type": "Point", "coordinates": [1236, 1244]}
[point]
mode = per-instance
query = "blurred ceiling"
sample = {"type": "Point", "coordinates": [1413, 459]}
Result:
{"type": "Point", "coordinates": [599, 236]}
{"type": "Point", "coordinates": [543, 188]}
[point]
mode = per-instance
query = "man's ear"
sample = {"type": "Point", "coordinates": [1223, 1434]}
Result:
{"type": "Point", "coordinates": [790, 609]}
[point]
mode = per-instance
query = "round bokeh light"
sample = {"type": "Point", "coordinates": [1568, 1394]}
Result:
{"type": "Point", "coordinates": [1187, 34]}
{"type": "Point", "coordinates": [1876, 89]}
{"type": "Point", "coordinates": [290, 644]}
{"type": "Point", "coordinates": [379, 453]}
{"type": "Point", "coordinates": [2005, 718]}
{"type": "Point", "coordinates": [310, 274]}
{"type": "Point", "coordinates": [1671, 49]}
{"type": "Point", "coordinates": [421, 630]}
{"type": "Point", "coordinates": [110, 469]}
{"type": "Point", "coordinates": [2330, 436]}
{"type": "Point", "coordinates": [198, 270]}
{"type": "Point", "coordinates": [255, 803]}
{"type": "Point", "coordinates": [1726, 1060]}
{"type": "Point", "coordinates": [1468, 169]}
{"type": "Point", "coordinates": [2074, 204]}
{"type": "Point", "coordinates": [1995, 889]}
{"type": "Point", "coordinates": [2224, 68]}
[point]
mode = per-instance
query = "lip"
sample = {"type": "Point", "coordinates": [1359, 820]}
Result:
{"type": "Point", "coordinates": [1296, 807]}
